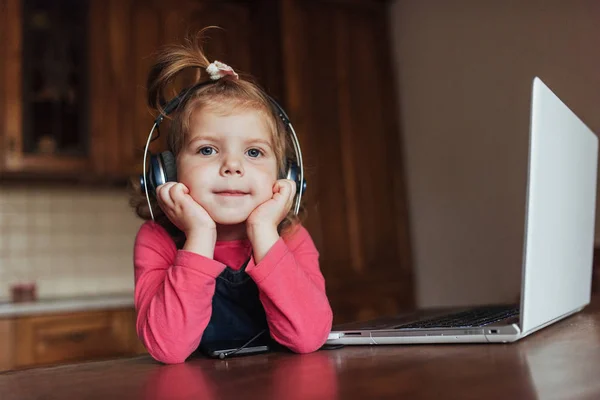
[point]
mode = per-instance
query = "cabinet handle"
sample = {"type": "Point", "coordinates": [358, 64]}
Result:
{"type": "Point", "coordinates": [70, 337]}
{"type": "Point", "coordinates": [12, 145]}
{"type": "Point", "coordinates": [77, 337]}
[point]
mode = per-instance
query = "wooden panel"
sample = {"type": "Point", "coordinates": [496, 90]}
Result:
{"type": "Point", "coordinates": [120, 132]}
{"type": "Point", "coordinates": [11, 45]}
{"type": "Point", "coordinates": [6, 344]}
{"type": "Point", "coordinates": [127, 320]}
{"type": "Point", "coordinates": [112, 86]}
{"type": "Point", "coordinates": [146, 39]}
{"type": "Point", "coordinates": [246, 38]}
{"type": "Point", "coordinates": [343, 107]}
{"type": "Point", "coordinates": [99, 93]}
{"type": "Point", "coordinates": [60, 338]}
{"type": "Point", "coordinates": [232, 44]}
{"type": "Point", "coordinates": [3, 35]}
{"type": "Point", "coordinates": [266, 50]}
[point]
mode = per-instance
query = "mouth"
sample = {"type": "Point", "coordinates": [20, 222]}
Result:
{"type": "Point", "coordinates": [232, 193]}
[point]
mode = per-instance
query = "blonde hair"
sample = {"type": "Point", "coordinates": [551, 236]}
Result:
{"type": "Point", "coordinates": [224, 95]}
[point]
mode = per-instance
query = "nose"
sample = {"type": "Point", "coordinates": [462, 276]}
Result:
{"type": "Point", "coordinates": [232, 166]}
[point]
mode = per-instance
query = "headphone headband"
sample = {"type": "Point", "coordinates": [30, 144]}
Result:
{"type": "Point", "coordinates": [177, 100]}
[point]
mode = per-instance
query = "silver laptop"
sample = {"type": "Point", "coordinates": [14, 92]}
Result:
{"type": "Point", "coordinates": [558, 248]}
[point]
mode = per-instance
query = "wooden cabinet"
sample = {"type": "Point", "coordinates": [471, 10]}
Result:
{"type": "Point", "coordinates": [7, 340]}
{"type": "Point", "coordinates": [60, 338]}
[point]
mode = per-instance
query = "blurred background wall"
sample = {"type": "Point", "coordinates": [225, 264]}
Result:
{"type": "Point", "coordinates": [464, 70]}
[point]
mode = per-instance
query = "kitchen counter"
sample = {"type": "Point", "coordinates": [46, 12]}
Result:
{"type": "Point", "coordinates": [66, 304]}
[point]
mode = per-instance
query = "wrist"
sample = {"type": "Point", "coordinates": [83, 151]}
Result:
{"type": "Point", "coordinates": [262, 238]}
{"type": "Point", "coordinates": [201, 241]}
{"type": "Point", "coordinates": [254, 230]}
{"type": "Point", "coordinates": [206, 232]}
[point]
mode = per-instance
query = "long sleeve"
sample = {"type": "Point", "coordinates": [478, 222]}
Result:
{"type": "Point", "coordinates": [173, 294]}
{"type": "Point", "coordinates": [292, 291]}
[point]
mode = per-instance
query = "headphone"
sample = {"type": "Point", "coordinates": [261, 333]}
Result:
{"type": "Point", "coordinates": [163, 168]}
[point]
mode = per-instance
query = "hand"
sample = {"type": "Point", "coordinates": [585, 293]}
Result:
{"type": "Point", "coordinates": [273, 211]}
{"type": "Point", "coordinates": [262, 223]}
{"type": "Point", "coordinates": [182, 210]}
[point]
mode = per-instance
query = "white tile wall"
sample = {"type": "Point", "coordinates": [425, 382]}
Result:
{"type": "Point", "coordinates": [69, 241]}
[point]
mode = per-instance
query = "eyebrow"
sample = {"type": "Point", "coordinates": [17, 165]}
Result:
{"type": "Point", "coordinates": [260, 141]}
{"type": "Point", "coordinates": [202, 137]}
{"type": "Point", "coordinates": [209, 138]}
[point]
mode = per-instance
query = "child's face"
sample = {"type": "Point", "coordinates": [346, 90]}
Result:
{"type": "Point", "coordinates": [228, 164]}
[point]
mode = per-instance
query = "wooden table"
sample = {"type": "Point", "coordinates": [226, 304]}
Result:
{"type": "Point", "coordinates": [559, 362]}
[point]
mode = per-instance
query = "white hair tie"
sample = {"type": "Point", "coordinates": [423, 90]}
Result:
{"type": "Point", "coordinates": [217, 70]}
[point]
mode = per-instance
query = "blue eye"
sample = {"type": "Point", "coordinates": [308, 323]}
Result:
{"type": "Point", "coordinates": [206, 151]}
{"type": "Point", "coordinates": [254, 153]}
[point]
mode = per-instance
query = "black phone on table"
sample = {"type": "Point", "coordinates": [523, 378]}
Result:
{"type": "Point", "coordinates": [232, 348]}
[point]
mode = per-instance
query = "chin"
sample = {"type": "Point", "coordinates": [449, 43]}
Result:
{"type": "Point", "coordinates": [232, 217]}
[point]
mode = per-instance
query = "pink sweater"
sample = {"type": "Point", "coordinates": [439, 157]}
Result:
{"type": "Point", "coordinates": [174, 290]}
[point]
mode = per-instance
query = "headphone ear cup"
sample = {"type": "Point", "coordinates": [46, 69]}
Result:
{"type": "Point", "coordinates": [152, 175]}
{"type": "Point", "coordinates": [169, 166]}
{"type": "Point", "coordinates": [163, 169]}
{"type": "Point", "coordinates": [293, 173]}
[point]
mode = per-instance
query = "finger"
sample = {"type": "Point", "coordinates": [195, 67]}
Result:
{"type": "Point", "coordinates": [293, 187]}
{"type": "Point", "coordinates": [277, 186]}
{"type": "Point", "coordinates": [165, 186]}
{"type": "Point", "coordinates": [280, 189]}
{"type": "Point", "coordinates": [178, 194]}
{"type": "Point", "coordinates": [292, 193]}
{"type": "Point", "coordinates": [288, 188]}
{"type": "Point", "coordinates": [186, 190]}
{"type": "Point", "coordinates": [163, 196]}
{"type": "Point", "coordinates": [286, 193]}
{"type": "Point", "coordinates": [159, 194]}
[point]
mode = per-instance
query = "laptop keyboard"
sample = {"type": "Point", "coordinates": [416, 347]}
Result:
{"type": "Point", "coordinates": [466, 319]}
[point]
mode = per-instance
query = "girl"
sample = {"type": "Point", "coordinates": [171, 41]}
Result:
{"type": "Point", "coordinates": [226, 258]}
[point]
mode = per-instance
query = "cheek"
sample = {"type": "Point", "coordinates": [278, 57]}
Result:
{"type": "Point", "coordinates": [265, 181]}
{"type": "Point", "coordinates": [261, 177]}
{"type": "Point", "coordinates": [193, 176]}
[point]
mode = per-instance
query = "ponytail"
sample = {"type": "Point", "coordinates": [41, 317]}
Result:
{"type": "Point", "coordinates": [170, 63]}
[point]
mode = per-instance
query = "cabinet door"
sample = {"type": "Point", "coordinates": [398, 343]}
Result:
{"type": "Point", "coordinates": [52, 339]}
{"type": "Point", "coordinates": [340, 97]}
{"type": "Point", "coordinates": [42, 84]}
{"type": "Point", "coordinates": [7, 338]}
{"type": "Point", "coordinates": [40, 136]}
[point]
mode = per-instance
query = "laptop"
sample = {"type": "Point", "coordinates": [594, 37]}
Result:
{"type": "Point", "coordinates": [557, 251]}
